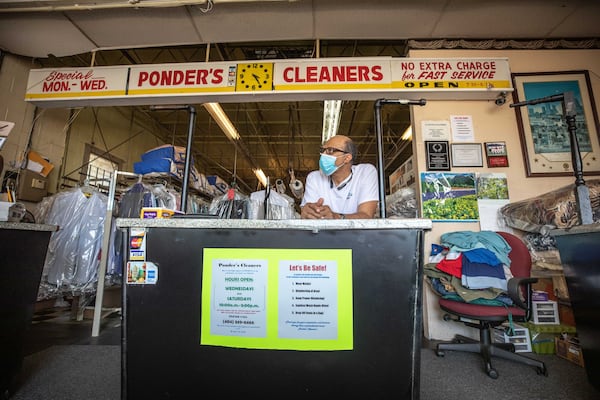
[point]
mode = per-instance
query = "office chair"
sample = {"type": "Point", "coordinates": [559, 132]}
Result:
{"type": "Point", "coordinates": [486, 317]}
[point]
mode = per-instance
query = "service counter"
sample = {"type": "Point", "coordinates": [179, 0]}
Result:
{"type": "Point", "coordinates": [23, 249]}
{"type": "Point", "coordinates": [579, 249]}
{"type": "Point", "coordinates": [294, 308]}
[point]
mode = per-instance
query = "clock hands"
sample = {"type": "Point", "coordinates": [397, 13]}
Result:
{"type": "Point", "coordinates": [250, 77]}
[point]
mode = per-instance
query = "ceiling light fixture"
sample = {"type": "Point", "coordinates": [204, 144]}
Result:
{"type": "Point", "coordinates": [261, 176]}
{"type": "Point", "coordinates": [222, 120]}
{"type": "Point", "coordinates": [332, 109]}
{"type": "Point", "coordinates": [407, 135]}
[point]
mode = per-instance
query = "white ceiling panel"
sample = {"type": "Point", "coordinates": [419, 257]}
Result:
{"type": "Point", "coordinates": [142, 27]}
{"type": "Point", "coordinates": [500, 20]}
{"type": "Point", "coordinates": [76, 32]}
{"type": "Point", "coordinates": [262, 22]}
{"type": "Point", "coordinates": [381, 19]}
{"type": "Point", "coordinates": [38, 35]}
{"type": "Point", "coordinates": [585, 20]}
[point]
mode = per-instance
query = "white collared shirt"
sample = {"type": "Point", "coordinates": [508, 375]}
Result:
{"type": "Point", "coordinates": [362, 186]}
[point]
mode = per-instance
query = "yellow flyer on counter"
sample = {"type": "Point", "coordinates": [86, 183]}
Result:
{"type": "Point", "coordinates": [292, 299]}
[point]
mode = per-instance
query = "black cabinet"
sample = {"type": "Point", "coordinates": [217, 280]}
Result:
{"type": "Point", "coordinates": [22, 253]}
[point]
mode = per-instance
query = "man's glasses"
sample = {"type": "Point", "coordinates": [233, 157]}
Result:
{"type": "Point", "coordinates": [331, 150]}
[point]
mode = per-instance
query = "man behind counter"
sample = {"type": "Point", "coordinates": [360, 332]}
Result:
{"type": "Point", "coordinates": [340, 189]}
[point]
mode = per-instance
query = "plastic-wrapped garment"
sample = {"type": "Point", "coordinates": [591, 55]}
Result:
{"type": "Point", "coordinates": [139, 195]}
{"type": "Point", "coordinates": [277, 206]}
{"type": "Point", "coordinates": [231, 205]}
{"type": "Point", "coordinates": [402, 203]}
{"type": "Point", "coordinates": [555, 209]}
{"type": "Point", "coordinates": [40, 213]}
{"type": "Point", "coordinates": [164, 198]}
{"type": "Point", "coordinates": [73, 254]}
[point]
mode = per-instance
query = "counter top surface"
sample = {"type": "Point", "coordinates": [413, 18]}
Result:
{"type": "Point", "coordinates": [27, 226]}
{"type": "Point", "coordinates": [301, 224]}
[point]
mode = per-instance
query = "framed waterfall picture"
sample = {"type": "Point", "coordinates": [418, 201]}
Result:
{"type": "Point", "coordinates": [543, 128]}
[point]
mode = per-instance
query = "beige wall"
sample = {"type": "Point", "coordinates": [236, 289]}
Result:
{"type": "Point", "coordinates": [493, 123]}
{"type": "Point", "coordinates": [13, 81]}
{"type": "Point", "coordinates": [118, 130]}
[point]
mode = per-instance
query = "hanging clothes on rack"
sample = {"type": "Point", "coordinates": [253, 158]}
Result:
{"type": "Point", "coordinates": [73, 254]}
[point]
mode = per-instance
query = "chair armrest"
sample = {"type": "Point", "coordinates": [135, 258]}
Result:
{"type": "Point", "coordinates": [515, 286]}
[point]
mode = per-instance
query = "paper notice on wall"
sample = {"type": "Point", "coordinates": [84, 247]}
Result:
{"type": "Point", "coordinates": [462, 128]}
{"type": "Point", "coordinates": [435, 130]}
{"type": "Point", "coordinates": [492, 195]}
{"type": "Point", "coordinates": [6, 127]}
{"type": "Point", "coordinates": [34, 166]}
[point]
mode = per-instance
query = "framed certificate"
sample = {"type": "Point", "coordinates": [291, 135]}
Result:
{"type": "Point", "coordinates": [467, 155]}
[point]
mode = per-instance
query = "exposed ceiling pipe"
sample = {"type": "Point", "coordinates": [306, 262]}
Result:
{"type": "Point", "coordinates": [82, 5]}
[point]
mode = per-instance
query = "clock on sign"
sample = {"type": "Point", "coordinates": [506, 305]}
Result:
{"type": "Point", "coordinates": [254, 77]}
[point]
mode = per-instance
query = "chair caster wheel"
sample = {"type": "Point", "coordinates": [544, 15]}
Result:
{"type": "Point", "coordinates": [492, 373]}
{"type": "Point", "coordinates": [542, 371]}
{"type": "Point", "coordinates": [440, 353]}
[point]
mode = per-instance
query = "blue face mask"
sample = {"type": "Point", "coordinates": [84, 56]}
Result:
{"type": "Point", "coordinates": [327, 164]}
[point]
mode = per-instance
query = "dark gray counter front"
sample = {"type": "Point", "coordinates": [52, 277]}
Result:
{"type": "Point", "coordinates": [579, 249]}
{"type": "Point", "coordinates": [162, 354]}
{"type": "Point", "coordinates": [22, 252]}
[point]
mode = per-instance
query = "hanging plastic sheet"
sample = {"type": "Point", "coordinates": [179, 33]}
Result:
{"type": "Point", "coordinates": [274, 206]}
{"type": "Point", "coordinates": [73, 254]}
{"type": "Point", "coordinates": [231, 205]}
{"type": "Point", "coordinates": [402, 203]}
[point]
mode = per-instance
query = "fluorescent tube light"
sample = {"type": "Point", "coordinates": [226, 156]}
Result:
{"type": "Point", "coordinates": [332, 110]}
{"type": "Point", "coordinates": [407, 135]}
{"type": "Point", "coordinates": [261, 176]}
{"type": "Point", "coordinates": [222, 120]}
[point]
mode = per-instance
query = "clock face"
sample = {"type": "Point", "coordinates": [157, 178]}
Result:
{"type": "Point", "coordinates": [254, 77]}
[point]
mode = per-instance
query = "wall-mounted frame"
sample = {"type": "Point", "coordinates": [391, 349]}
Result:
{"type": "Point", "coordinates": [466, 155]}
{"type": "Point", "coordinates": [496, 154]}
{"type": "Point", "coordinates": [543, 129]}
{"type": "Point", "coordinates": [438, 156]}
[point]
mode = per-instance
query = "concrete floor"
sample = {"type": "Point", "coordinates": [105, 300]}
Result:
{"type": "Point", "coordinates": [55, 326]}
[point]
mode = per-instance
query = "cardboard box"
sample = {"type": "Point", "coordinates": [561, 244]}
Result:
{"type": "Point", "coordinates": [568, 347]}
{"type": "Point", "coordinates": [36, 163]}
{"type": "Point", "coordinates": [32, 186]}
{"type": "Point", "coordinates": [545, 285]}
{"type": "Point", "coordinates": [565, 313]}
